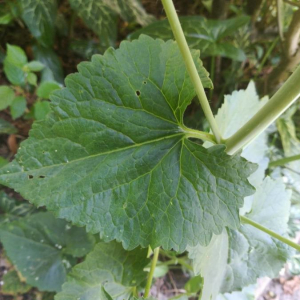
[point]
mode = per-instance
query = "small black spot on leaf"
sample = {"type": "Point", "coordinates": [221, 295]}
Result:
{"type": "Point", "coordinates": [138, 93]}
{"type": "Point", "coordinates": [145, 82]}
{"type": "Point", "coordinates": [30, 176]}
{"type": "Point", "coordinates": [42, 176]}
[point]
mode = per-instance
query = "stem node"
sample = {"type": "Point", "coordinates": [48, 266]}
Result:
{"type": "Point", "coordinates": [190, 65]}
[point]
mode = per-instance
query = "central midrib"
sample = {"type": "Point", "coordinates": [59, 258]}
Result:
{"type": "Point", "coordinates": [99, 154]}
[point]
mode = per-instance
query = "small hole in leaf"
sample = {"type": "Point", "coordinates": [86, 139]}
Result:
{"type": "Point", "coordinates": [145, 82]}
{"type": "Point", "coordinates": [42, 176]}
{"type": "Point", "coordinates": [30, 176]}
{"type": "Point", "coordinates": [138, 93]}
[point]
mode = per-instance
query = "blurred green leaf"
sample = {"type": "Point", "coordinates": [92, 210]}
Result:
{"type": "Point", "coordinates": [247, 293]}
{"type": "Point", "coordinates": [6, 18]}
{"type": "Point", "coordinates": [113, 268]}
{"type": "Point", "coordinates": [211, 262]}
{"type": "Point", "coordinates": [3, 161]}
{"type": "Point", "coordinates": [7, 96]}
{"type": "Point", "coordinates": [43, 243]}
{"type": "Point", "coordinates": [130, 11]}
{"type": "Point", "coordinates": [35, 66]}
{"type": "Point", "coordinates": [291, 146]}
{"type": "Point", "coordinates": [12, 210]}
{"type": "Point", "coordinates": [160, 271]}
{"type": "Point", "coordinates": [13, 65]}
{"type": "Point", "coordinates": [194, 285]}
{"type": "Point", "coordinates": [14, 74]}
{"type": "Point", "coordinates": [6, 15]}
{"type": "Point", "coordinates": [40, 17]}
{"type": "Point", "coordinates": [102, 16]}
{"type": "Point", "coordinates": [46, 88]}
{"type": "Point", "coordinates": [6, 127]}
{"type": "Point", "coordinates": [18, 107]}
{"type": "Point", "coordinates": [32, 79]}
{"type": "Point", "coordinates": [53, 69]}
{"type": "Point", "coordinates": [226, 49]}
{"type": "Point", "coordinates": [16, 55]}
{"type": "Point", "coordinates": [62, 25]}
{"type": "Point", "coordinates": [41, 109]}
{"type": "Point", "coordinates": [203, 34]}
{"type": "Point", "coordinates": [12, 284]}
{"type": "Point", "coordinates": [86, 48]}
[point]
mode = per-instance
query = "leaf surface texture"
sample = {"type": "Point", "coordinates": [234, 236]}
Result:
{"type": "Point", "coordinates": [113, 154]}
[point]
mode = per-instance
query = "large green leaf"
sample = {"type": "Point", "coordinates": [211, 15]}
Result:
{"type": "Point", "coordinates": [108, 266]}
{"type": "Point", "coordinates": [113, 154]}
{"type": "Point", "coordinates": [40, 18]}
{"type": "Point", "coordinates": [203, 34]}
{"type": "Point", "coordinates": [42, 243]}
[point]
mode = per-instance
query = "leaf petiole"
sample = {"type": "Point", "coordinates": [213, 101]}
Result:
{"type": "Point", "coordinates": [151, 273]}
{"type": "Point", "coordinates": [197, 134]}
{"type": "Point", "coordinates": [190, 65]}
{"type": "Point", "coordinates": [271, 233]}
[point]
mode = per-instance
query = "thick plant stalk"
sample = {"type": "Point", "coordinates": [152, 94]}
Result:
{"type": "Point", "coordinates": [190, 65]}
{"type": "Point", "coordinates": [290, 55]}
{"type": "Point", "coordinates": [278, 104]}
{"type": "Point", "coordinates": [283, 161]}
{"type": "Point", "coordinates": [271, 233]}
{"type": "Point", "coordinates": [150, 276]}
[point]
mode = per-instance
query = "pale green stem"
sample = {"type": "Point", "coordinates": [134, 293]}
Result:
{"type": "Point", "coordinates": [135, 292]}
{"type": "Point", "coordinates": [280, 18]}
{"type": "Point", "coordinates": [270, 232]}
{"type": "Point", "coordinates": [190, 65]}
{"type": "Point", "coordinates": [283, 161]}
{"type": "Point", "coordinates": [152, 268]}
{"type": "Point", "coordinates": [278, 104]}
{"type": "Point", "coordinates": [212, 74]}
